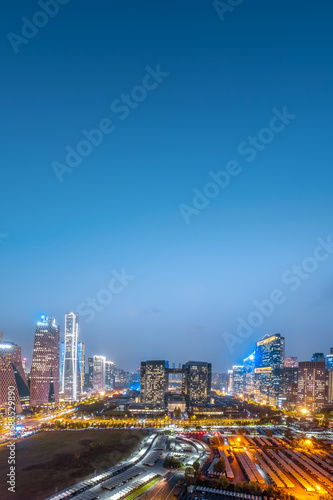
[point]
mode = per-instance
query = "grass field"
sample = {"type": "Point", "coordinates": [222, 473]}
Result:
{"type": "Point", "coordinates": [141, 490]}
{"type": "Point", "coordinates": [61, 458]}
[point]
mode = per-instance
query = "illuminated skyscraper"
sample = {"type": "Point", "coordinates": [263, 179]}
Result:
{"type": "Point", "coordinates": [311, 385]}
{"type": "Point", "coordinates": [269, 364]}
{"type": "Point", "coordinates": [44, 384]}
{"type": "Point", "coordinates": [290, 362]}
{"type": "Point", "coordinates": [290, 387]}
{"type": "Point", "coordinates": [197, 382]}
{"type": "Point", "coordinates": [72, 376]}
{"type": "Point", "coordinates": [12, 377]}
{"type": "Point", "coordinates": [329, 373]}
{"type": "Point", "coordinates": [62, 361]}
{"type": "Point", "coordinates": [318, 356]}
{"type": "Point", "coordinates": [90, 373]}
{"type": "Point", "coordinates": [237, 380]}
{"type": "Point", "coordinates": [80, 355]}
{"type": "Point", "coordinates": [109, 375]}
{"type": "Point", "coordinates": [98, 373]}
{"type": "Point", "coordinates": [153, 381]}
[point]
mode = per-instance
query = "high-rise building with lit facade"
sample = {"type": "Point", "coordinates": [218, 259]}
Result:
{"type": "Point", "coordinates": [90, 373]}
{"type": "Point", "coordinates": [153, 381]}
{"type": "Point", "coordinates": [290, 387]}
{"type": "Point", "coordinates": [44, 379]}
{"type": "Point", "coordinates": [109, 375]}
{"type": "Point", "coordinates": [72, 376]}
{"type": "Point", "coordinates": [80, 355]}
{"type": "Point", "coordinates": [197, 382]}
{"type": "Point", "coordinates": [269, 364]}
{"type": "Point", "coordinates": [290, 362]}
{"type": "Point", "coordinates": [12, 377]}
{"type": "Point", "coordinates": [99, 373]}
{"type": "Point", "coordinates": [237, 380]}
{"type": "Point", "coordinates": [311, 385]}
{"type": "Point", "coordinates": [318, 356]}
{"type": "Point", "coordinates": [62, 361]}
{"type": "Point", "coordinates": [329, 374]}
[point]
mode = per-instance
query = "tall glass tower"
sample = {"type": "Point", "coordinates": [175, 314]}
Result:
{"type": "Point", "coordinates": [44, 384]}
{"type": "Point", "coordinates": [72, 376]}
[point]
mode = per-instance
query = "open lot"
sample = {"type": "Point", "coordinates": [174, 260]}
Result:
{"type": "Point", "coordinates": [61, 458]}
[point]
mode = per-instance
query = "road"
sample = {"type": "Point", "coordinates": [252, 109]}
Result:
{"type": "Point", "coordinates": [164, 489]}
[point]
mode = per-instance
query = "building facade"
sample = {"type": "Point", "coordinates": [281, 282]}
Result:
{"type": "Point", "coordinates": [109, 375]}
{"type": "Point", "coordinates": [72, 375]}
{"type": "Point", "coordinates": [269, 365]}
{"type": "Point", "coordinates": [291, 362]}
{"type": "Point", "coordinates": [44, 379]}
{"type": "Point", "coordinates": [329, 375]}
{"type": "Point", "coordinates": [153, 381]}
{"type": "Point", "coordinates": [197, 382]}
{"type": "Point", "coordinates": [311, 385]}
{"type": "Point", "coordinates": [80, 355]}
{"type": "Point", "coordinates": [12, 378]}
{"type": "Point", "coordinates": [290, 387]}
{"type": "Point", "coordinates": [99, 373]}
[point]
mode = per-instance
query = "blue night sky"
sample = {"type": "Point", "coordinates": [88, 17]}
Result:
{"type": "Point", "coordinates": [120, 208]}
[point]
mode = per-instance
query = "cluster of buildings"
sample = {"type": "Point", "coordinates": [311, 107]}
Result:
{"type": "Point", "coordinates": [57, 370]}
{"type": "Point", "coordinates": [269, 377]}
{"type": "Point", "coordinates": [162, 387]}
{"type": "Point", "coordinates": [58, 373]}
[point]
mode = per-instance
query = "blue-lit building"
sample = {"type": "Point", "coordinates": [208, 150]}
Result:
{"type": "Point", "coordinates": [62, 360]}
{"type": "Point", "coordinates": [269, 365]}
{"type": "Point", "coordinates": [329, 374]}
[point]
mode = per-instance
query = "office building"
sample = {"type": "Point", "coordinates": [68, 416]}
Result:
{"type": "Point", "coordinates": [153, 381]}
{"type": "Point", "coordinates": [197, 381]}
{"type": "Point", "coordinates": [12, 376]}
{"type": "Point", "coordinates": [237, 380]}
{"type": "Point", "coordinates": [290, 362]}
{"type": "Point", "coordinates": [80, 355]}
{"type": "Point", "coordinates": [318, 356]}
{"type": "Point", "coordinates": [90, 373]}
{"type": "Point", "coordinates": [290, 387]}
{"type": "Point", "coordinates": [62, 361]}
{"type": "Point", "coordinates": [72, 376]}
{"type": "Point", "coordinates": [109, 375]}
{"type": "Point", "coordinates": [329, 375]}
{"type": "Point", "coordinates": [99, 373]}
{"type": "Point", "coordinates": [311, 385]}
{"type": "Point", "coordinates": [269, 364]}
{"type": "Point", "coordinates": [44, 381]}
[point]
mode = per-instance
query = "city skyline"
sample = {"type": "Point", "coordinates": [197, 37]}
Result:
{"type": "Point", "coordinates": [82, 358]}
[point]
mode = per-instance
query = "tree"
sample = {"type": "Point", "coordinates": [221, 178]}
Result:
{"type": "Point", "coordinates": [219, 467]}
{"type": "Point", "coordinates": [224, 482]}
{"type": "Point", "coordinates": [189, 473]}
{"type": "Point", "coordinates": [196, 467]}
